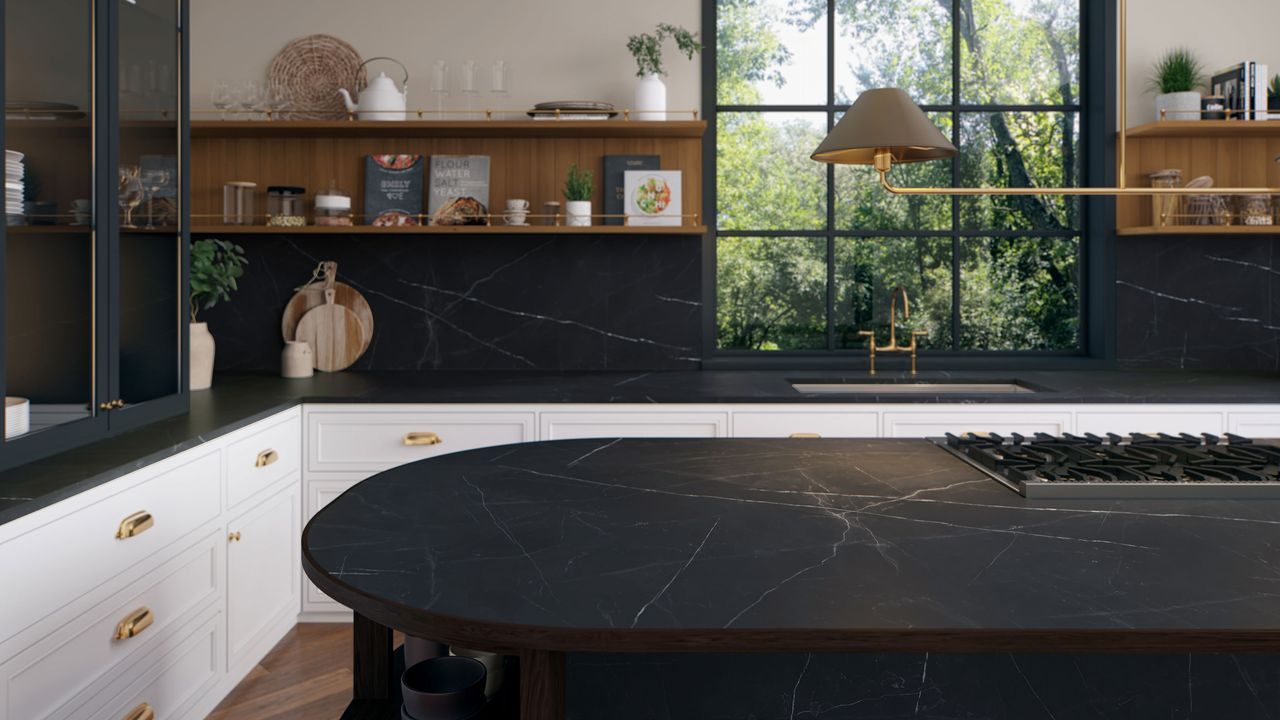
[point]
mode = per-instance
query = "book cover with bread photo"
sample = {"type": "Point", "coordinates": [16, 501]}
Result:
{"type": "Point", "coordinates": [458, 192]}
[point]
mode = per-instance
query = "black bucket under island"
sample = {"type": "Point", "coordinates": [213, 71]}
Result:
{"type": "Point", "coordinates": [802, 578]}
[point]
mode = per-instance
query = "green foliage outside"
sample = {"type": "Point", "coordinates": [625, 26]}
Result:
{"type": "Point", "coordinates": [1019, 293]}
{"type": "Point", "coordinates": [215, 267]}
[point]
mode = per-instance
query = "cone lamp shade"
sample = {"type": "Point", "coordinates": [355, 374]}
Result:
{"type": "Point", "coordinates": [882, 120]}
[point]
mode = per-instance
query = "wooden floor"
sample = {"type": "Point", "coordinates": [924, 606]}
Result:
{"type": "Point", "coordinates": [306, 676]}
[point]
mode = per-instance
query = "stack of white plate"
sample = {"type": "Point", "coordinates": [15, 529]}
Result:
{"type": "Point", "coordinates": [17, 416]}
{"type": "Point", "coordinates": [13, 183]}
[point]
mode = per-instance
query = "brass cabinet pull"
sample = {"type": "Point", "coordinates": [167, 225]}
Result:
{"type": "Point", "coordinates": [233, 536]}
{"type": "Point", "coordinates": [134, 624]}
{"type": "Point", "coordinates": [142, 712]}
{"type": "Point", "coordinates": [422, 438]}
{"type": "Point", "coordinates": [135, 525]}
{"type": "Point", "coordinates": [117, 404]}
{"type": "Point", "coordinates": [266, 457]}
{"type": "Point", "coordinates": [796, 436]}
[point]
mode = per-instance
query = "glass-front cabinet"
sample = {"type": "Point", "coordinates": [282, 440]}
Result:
{"type": "Point", "coordinates": [94, 244]}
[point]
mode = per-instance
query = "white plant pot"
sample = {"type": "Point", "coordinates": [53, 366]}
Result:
{"type": "Point", "coordinates": [651, 98]}
{"type": "Point", "coordinates": [1178, 106]}
{"type": "Point", "coordinates": [578, 213]}
{"type": "Point", "coordinates": [201, 356]}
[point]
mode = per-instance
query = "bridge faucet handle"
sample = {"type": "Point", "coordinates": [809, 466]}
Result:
{"type": "Point", "coordinates": [870, 335]}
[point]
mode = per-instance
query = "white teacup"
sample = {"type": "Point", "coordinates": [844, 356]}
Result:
{"type": "Point", "coordinates": [516, 218]}
{"type": "Point", "coordinates": [518, 205]}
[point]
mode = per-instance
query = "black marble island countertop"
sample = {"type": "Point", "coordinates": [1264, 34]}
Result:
{"type": "Point", "coordinates": [237, 400]}
{"type": "Point", "coordinates": [785, 545]}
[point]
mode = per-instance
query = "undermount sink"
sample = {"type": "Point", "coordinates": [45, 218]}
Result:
{"type": "Point", "coordinates": [910, 387]}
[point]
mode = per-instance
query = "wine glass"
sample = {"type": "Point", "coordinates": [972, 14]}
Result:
{"type": "Point", "coordinates": [440, 85]}
{"type": "Point", "coordinates": [222, 97]}
{"type": "Point", "coordinates": [277, 100]}
{"type": "Point", "coordinates": [130, 195]}
{"type": "Point", "coordinates": [249, 95]}
{"type": "Point", "coordinates": [153, 181]}
{"type": "Point", "coordinates": [467, 77]}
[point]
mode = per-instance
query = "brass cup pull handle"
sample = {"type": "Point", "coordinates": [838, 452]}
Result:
{"type": "Point", "coordinates": [422, 438]}
{"type": "Point", "coordinates": [135, 525]}
{"type": "Point", "coordinates": [134, 624]}
{"type": "Point", "coordinates": [266, 457]}
{"type": "Point", "coordinates": [233, 536]}
{"type": "Point", "coordinates": [142, 712]}
{"type": "Point", "coordinates": [804, 435]}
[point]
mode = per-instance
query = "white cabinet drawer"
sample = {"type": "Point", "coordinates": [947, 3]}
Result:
{"type": "Point", "coordinates": [1163, 420]}
{"type": "Point", "coordinates": [374, 441]}
{"type": "Point", "coordinates": [1254, 425]}
{"type": "Point", "coordinates": [633, 424]}
{"type": "Point", "coordinates": [85, 654]}
{"type": "Point", "coordinates": [61, 561]}
{"type": "Point", "coordinates": [936, 423]}
{"type": "Point", "coordinates": [189, 667]}
{"type": "Point", "coordinates": [825, 424]}
{"type": "Point", "coordinates": [266, 456]}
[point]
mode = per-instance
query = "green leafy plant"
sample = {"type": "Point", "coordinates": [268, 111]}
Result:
{"type": "Point", "coordinates": [1177, 71]}
{"type": "Point", "coordinates": [647, 49]}
{"type": "Point", "coordinates": [1275, 86]}
{"type": "Point", "coordinates": [215, 266]}
{"type": "Point", "coordinates": [578, 184]}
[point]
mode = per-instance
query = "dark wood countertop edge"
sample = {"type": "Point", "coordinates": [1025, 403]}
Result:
{"type": "Point", "coordinates": [511, 638]}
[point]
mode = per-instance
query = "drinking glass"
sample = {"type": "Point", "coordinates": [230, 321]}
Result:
{"type": "Point", "coordinates": [222, 97]}
{"type": "Point", "coordinates": [153, 181]}
{"type": "Point", "coordinates": [277, 101]}
{"type": "Point", "coordinates": [249, 96]}
{"type": "Point", "coordinates": [467, 74]}
{"type": "Point", "coordinates": [440, 85]}
{"type": "Point", "coordinates": [130, 195]}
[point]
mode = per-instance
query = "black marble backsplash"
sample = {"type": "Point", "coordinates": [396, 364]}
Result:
{"type": "Point", "coordinates": [1205, 303]}
{"type": "Point", "coordinates": [481, 302]}
{"type": "Point", "coordinates": [635, 303]}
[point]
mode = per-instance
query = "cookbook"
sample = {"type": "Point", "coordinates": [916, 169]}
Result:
{"type": "Point", "coordinates": [393, 190]}
{"type": "Point", "coordinates": [459, 190]}
{"type": "Point", "coordinates": [653, 197]}
{"type": "Point", "coordinates": [615, 181]}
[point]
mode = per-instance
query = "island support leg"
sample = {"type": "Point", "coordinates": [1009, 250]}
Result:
{"type": "Point", "coordinates": [541, 685]}
{"type": "Point", "coordinates": [372, 657]}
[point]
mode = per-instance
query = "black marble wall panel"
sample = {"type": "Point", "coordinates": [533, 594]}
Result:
{"type": "Point", "coordinates": [917, 685]}
{"type": "Point", "coordinates": [483, 301]}
{"type": "Point", "coordinates": [1209, 303]}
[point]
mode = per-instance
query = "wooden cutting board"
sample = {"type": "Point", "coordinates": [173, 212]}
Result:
{"type": "Point", "coordinates": [334, 333]}
{"type": "Point", "coordinates": [312, 297]}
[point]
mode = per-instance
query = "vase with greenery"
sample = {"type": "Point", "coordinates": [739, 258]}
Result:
{"type": "Point", "coordinates": [646, 48]}
{"type": "Point", "coordinates": [216, 265]}
{"type": "Point", "coordinates": [1176, 80]}
{"type": "Point", "coordinates": [579, 185]}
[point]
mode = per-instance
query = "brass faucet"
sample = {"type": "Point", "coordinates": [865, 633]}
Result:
{"type": "Point", "coordinates": [893, 345]}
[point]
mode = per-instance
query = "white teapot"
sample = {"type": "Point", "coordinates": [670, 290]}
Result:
{"type": "Point", "coordinates": [380, 99]}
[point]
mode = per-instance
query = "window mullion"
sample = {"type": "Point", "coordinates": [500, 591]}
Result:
{"type": "Point", "coordinates": [955, 175]}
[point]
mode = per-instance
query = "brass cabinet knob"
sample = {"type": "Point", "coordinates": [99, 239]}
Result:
{"type": "Point", "coordinates": [422, 438]}
{"type": "Point", "coordinates": [799, 435]}
{"type": "Point", "coordinates": [233, 536]}
{"type": "Point", "coordinates": [105, 406]}
{"type": "Point", "coordinates": [134, 623]}
{"type": "Point", "coordinates": [266, 457]}
{"type": "Point", "coordinates": [142, 712]}
{"type": "Point", "coordinates": [135, 525]}
{"type": "Point", "coordinates": [117, 404]}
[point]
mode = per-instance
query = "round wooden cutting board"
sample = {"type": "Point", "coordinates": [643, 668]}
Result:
{"type": "Point", "coordinates": [334, 333]}
{"type": "Point", "coordinates": [312, 297]}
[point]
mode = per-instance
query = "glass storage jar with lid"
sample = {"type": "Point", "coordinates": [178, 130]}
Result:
{"type": "Point", "coordinates": [237, 202]}
{"type": "Point", "coordinates": [1254, 210]}
{"type": "Point", "coordinates": [286, 206]}
{"type": "Point", "coordinates": [333, 206]}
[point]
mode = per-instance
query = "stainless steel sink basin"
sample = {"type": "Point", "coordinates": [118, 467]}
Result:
{"type": "Point", "coordinates": [925, 387]}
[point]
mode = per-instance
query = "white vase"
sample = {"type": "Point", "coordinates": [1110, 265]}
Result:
{"type": "Point", "coordinates": [201, 356]}
{"type": "Point", "coordinates": [1178, 106]}
{"type": "Point", "coordinates": [651, 98]}
{"type": "Point", "coordinates": [297, 360]}
{"type": "Point", "coordinates": [578, 213]}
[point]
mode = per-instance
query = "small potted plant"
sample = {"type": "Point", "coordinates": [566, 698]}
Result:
{"type": "Point", "coordinates": [651, 92]}
{"type": "Point", "coordinates": [1273, 97]}
{"type": "Point", "coordinates": [215, 266]}
{"type": "Point", "coordinates": [1175, 80]}
{"type": "Point", "coordinates": [578, 187]}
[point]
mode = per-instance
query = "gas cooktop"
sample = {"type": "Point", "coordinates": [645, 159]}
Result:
{"type": "Point", "coordinates": [1116, 466]}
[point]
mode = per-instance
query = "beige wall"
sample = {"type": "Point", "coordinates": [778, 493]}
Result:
{"type": "Point", "coordinates": [560, 50]}
{"type": "Point", "coordinates": [1221, 33]}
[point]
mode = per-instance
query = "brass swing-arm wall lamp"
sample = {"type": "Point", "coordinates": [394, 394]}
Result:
{"type": "Point", "coordinates": [884, 127]}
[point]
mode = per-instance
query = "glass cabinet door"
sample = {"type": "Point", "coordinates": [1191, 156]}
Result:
{"type": "Point", "coordinates": [52, 364]}
{"type": "Point", "coordinates": [150, 322]}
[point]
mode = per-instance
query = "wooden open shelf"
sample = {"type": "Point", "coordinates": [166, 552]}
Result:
{"type": "Point", "coordinates": [446, 230]}
{"type": "Point", "coordinates": [450, 128]}
{"type": "Point", "coordinates": [1235, 153]}
{"type": "Point", "coordinates": [528, 159]}
{"type": "Point", "coordinates": [1226, 230]}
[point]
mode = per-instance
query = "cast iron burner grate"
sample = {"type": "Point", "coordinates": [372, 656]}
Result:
{"type": "Point", "coordinates": [1137, 465]}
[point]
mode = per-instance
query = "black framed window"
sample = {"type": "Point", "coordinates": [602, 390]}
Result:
{"type": "Point", "coordinates": [804, 255]}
